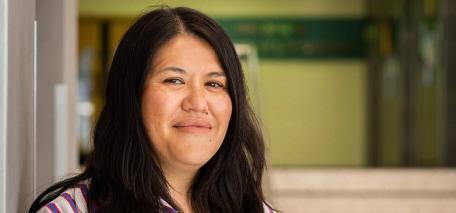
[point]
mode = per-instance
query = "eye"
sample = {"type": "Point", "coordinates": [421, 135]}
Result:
{"type": "Point", "coordinates": [215, 84]}
{"type": "Point", "coordinates": [174, 81]}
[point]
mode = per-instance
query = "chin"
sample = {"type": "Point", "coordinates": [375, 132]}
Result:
{"type": "Point", "coordinates": [194, 161]}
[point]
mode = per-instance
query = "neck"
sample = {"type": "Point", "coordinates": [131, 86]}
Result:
{"type": "Point", "coordinates": [179, 183]}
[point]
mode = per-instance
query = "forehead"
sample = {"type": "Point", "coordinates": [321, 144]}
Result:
{"type": "Point", "coordinates": [187, 51]}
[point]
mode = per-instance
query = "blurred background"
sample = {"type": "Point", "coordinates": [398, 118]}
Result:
{"type": "Point", "coordinates": [353, 83]}
{"type": "Point", "coordinates": [356, 97]}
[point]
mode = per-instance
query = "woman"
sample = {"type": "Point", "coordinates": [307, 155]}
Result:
{"type": "Point", "coordinates": [176, 133]}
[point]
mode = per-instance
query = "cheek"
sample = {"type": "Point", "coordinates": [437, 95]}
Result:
{"type": "Point", "coordinates": [158, 109]}
{"type": "Point", "coordinates": [223, 110]}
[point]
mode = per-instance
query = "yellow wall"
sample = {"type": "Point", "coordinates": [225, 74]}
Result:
{"type": "Point", "coordinates": [89, 39]}
{"type": "Point", "coordinates": [133, 8]}
{"type": "Point", "coordinates": [314, 111]}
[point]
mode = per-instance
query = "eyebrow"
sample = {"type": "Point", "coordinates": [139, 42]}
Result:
{"type": "Point", "coordinates": [216, 74]}
{"type": "Point", "coordinates": [182, 71]}
{"type": "Point", "coordinates": [172, 69]}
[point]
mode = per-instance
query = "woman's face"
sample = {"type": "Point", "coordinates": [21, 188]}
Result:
{"type": "Point", "coordinates": [185, 105]}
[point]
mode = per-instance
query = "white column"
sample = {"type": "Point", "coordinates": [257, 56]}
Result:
{"type": "Point", "coordinates": [57, 149]}
{"type": "Point", "coordinates": [3, 98]}
{"type": "Point", "coordinates": [27, 96]}
{"type": "Point", "coordinates": [18, 101]}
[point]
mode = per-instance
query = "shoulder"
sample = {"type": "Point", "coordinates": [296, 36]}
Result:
{"type": "Point", "coordinates": [73, 199]}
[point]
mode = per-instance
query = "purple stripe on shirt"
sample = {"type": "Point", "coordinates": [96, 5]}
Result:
{"type": "Point", "coordinates": [53, 208]}
{"type": "Point", "coordinates": [71, 201]}
{"type": "Point", "coordinates": [84, 191]}
{"type": "Point", "coordinates": [167, 209]}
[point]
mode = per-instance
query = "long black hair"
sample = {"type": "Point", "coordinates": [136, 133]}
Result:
{"type": "Point", "coordinates": [123, 169]}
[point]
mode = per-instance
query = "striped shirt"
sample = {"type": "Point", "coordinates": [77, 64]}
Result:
{"type": "Point", "coordinates": [74, 200]}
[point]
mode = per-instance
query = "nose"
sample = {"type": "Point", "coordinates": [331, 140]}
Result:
{"type": "Point", "coordinates": [195, 101]}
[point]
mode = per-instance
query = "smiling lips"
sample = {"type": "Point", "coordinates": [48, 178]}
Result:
{"type": "Point", "coordinates": [193, 126]}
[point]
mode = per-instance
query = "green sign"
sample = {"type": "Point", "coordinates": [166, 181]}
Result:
{"type": "Point", "coordinates": [300, 38]}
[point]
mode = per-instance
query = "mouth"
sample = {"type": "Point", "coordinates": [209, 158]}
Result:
{"type": "Point", "coordinates": [193, 126]}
